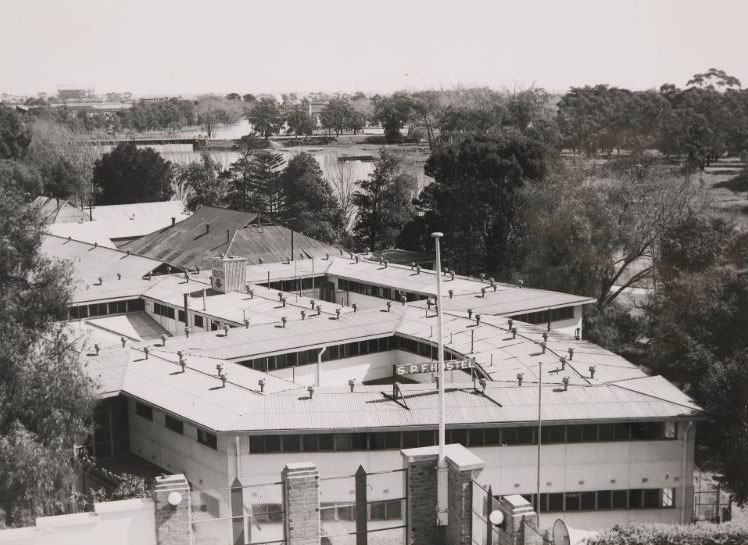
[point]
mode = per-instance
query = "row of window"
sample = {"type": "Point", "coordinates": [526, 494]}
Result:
{"type": "Point", "coordinates": [347, 350]}
{"type": "Point", "coordinates": [546, 316]}
{"type": "Point", "coordinates": [174, 424]}
{"type": "Point", "coordinates": [598, 500]}
{"type": "Point", "coordinates": [292, 286]}
{"type": "Point", "coordinates": [104, 309]}
{"type": "Point", "coordinates": [377, 510]}
{"type": "Point", "coordinates": [521, 435]}
{"type": "Point", "coordinates": [378, 291]}
{"type": "Point", "coordinates": [164, 310]}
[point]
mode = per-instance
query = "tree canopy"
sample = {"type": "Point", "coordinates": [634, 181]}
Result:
{"type": "Point", "coordinates": [128, 175]}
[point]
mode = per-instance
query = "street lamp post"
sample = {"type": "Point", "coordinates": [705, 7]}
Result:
{"type": "Point", "coordinates": [441, 483]}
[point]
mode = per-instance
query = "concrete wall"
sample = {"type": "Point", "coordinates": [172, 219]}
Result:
{"type": "Point", "coordinates": [127, 522]}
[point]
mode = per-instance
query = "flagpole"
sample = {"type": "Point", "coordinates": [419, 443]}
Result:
{"type": "Point", "coordinates": [442, 514]}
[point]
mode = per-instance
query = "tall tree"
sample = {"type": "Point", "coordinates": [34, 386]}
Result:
{"type": "Point", "coordinates": [202, 183]}
{"type": "Point", "coordinates": [310, 203]}
{"type": "Point", "coordinates": [474, 198]}
{"type": "Point", "coordinates": [46, 398]}
{"type": "Point", "coordinates": [15, 135]}
{"type": "Point", "coordinates": [393, 112]}
{"type": "Point", "coordinates": [266, 117]}
{"type": "Point", "coordinates": [214, 112]}
{"type": "Point", "coordinates": [384, 203]}
{"type": "Point", "coordinates": [337, 115]}
{"type": "Point", "coordinates": [299, 120]}
{"type": "Point", "coordinates": [255, 183]}
{"type": "Point", "coordinates": [129, 175]}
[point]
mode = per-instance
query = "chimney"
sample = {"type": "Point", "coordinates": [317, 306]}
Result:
{"type": "Point", "coordinates": [565, 382]}
{"type": "Point", "coordinates": [173, 221]}
{"type": "Point", "coordinates": [96, 244]}
{"type": "Point", "coordinates": [225, 330]}
{"type": "Point", "coordinates": [482, 277]}
{"type": "Point", "coordinates": [101, 281]}
{"type": "Point", "coordinates": [327, 256]}
{"type": "Point", "coordinates": [310, 389]}
{"type": "Point", "coordinates": [207, 228]}
{"type": "Point", "coordinates": [283, 302]}
{"type": "Point", "coordinates": [262, 383]}
{"type": "Point", "coordinates": [351, 384]}
{"type": "Point", "coordinates": [197, 269]}
{"type": "Point", "coordinates": [146, 351]}
{"type": "Point", "coordinates": [385, 263]}
{"type": "Point", "coordinates": [571, 353]}
{"type": "Point", "coordinates": [357, 258]}
{"type": "Point", "coordinates": [592, 371]}
{"type": "Point", "coordinates": [259, 260]}
{"type": "Point", "coordinates": [520, 376]}
{"type": "Point", "coordinates": [219, 369]}
{"type": "Point", "coordinates": [493, 285]}
{"type": "Point", "coordinates": [412, 265]}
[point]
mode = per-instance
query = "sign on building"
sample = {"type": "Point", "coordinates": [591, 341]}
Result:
{"type": "Point", "coordinates": [229, 274]}
{"type": "Point", "coordinates": [433, 366]}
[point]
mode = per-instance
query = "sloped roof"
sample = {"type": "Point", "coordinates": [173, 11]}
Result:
{"type": "Point", "coordinates": [191, 243]}
{"type": "Point", "coordinates": [57, 211]}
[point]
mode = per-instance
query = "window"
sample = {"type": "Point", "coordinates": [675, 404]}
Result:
{"type": "Point", "coordinates": [135, 305]}
{"type": "Point", "coordinates": [553, 434]}
{"type": "Point", "coordinates": [181, 316]}
{"type": "Point", "coordinates": [668, 497]}
{"type": "Point", "coordinates": [144, 410]}
{"type": "Point", "coordinates": [572, 501]}
{"type": "Point", "coordinates": [620, 499]}
{"type": "Point", "coordinates": [555, 501]}
{"type": "Point", "coordinates": [199, 321]}
{"type": "Point", "coordinates": [588, 501]}
{"type": "Point", "coordinates": [291, 443]}
{"type": "Point", "coordinates": [206, 438]}
{"type": "Point", "coordinates": [174, 424]}
{"type": "Point", "coordinates": [163, 310]}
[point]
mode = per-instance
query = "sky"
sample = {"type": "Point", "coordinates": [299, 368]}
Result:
{"type": "Point", "coordinates": [170, 47]}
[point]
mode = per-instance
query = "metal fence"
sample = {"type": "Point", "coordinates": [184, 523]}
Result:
{"type": "Point", "coordinates": [368, 508]}
{"type": "Point", "coordinates": [240, 515]}
{"type": "Point", "coordinates": [483, 532]}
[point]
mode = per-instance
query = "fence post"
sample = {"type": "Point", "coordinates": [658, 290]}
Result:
{"type": "Point", "coordinates": [173, 510]}
{"type": "Point", "coordinates": [489, 508]}
{"type": "Point", "coordinates": [361, 507]}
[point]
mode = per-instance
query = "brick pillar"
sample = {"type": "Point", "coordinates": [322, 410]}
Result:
{"type": "Point", "coordinates": [421, 489]}
{"type": "Point", "coordinates": [519, 520]}
{"type": "Point", "coordinates": [301, 503]}
{"type": "Point", "coordinates": [173, 522]}
{"type": "Point", "coordinates": [463, 467]}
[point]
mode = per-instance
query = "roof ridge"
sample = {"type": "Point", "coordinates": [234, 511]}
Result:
{"type": "Point", "coordinates": [654, 396]}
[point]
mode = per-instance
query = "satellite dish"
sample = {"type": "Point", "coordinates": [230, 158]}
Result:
{"type": "Point", "coordinates": [566, 535]}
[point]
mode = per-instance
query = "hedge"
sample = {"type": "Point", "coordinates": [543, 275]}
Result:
{"type": "Point", "coordinates": [664, 534]}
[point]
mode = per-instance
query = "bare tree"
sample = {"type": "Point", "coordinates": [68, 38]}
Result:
{"type": "Point", "coordinates": [342, 178]}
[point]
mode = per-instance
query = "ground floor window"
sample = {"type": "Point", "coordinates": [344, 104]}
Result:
{"type": "Point", "coordinates": [599, 500]}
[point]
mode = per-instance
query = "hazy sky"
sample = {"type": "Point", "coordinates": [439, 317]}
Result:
{"type": "Point", "coordinates": [186, 46]}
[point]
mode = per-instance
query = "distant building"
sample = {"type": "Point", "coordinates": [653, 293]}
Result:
{"type": "Point", "coordinates": [76, 94]}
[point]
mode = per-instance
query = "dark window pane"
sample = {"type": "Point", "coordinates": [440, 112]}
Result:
{"type": "Point", "coordinates": [556, 501]}
{"type": "Point", "coordinates": [144, 410]}
{"type": "Point", "coordinates": [621, 432]}
{"type": "Point", "coordinates": [457, 436]}
{"type": "Point", "coordinates": [553, 434]}
{"type": "Point", "coordinates": [426, 438]}
{"type": "Point", "coordinates": [360, 441]}
{"type": "Point", "coordinates": [392, 439]}
{"type": "Point", "coordinates": [376, 441]}
{"type": "Point", "coordinates": [173, 424]}
{"type": "Point", "coordinates": [606, 432]}
{"type": "Point", "coordinates": [525, 436]}
{"type": "Point", "coordinates": [652, 498]}
{"type": "Point", "coordinates": [327, 441]}
{"type": "Point", "coordinates": [272, 443]}
{"type": "Point", "coordinates": [574, 434]}
{"type": "Point", "coordinates": [604, 499]}
{"type": "Point", "coordinates": [620, 499]}
{"type": "Point", "coordinates": [588, 501]}
{"type": "Point", "coordinates": [589, 432]}
{"type": "Point", "coordinates": [573, 500]}
{"type": "Point", "coordinates": [410, 439]}
{"type": "Point", "coordinates": [493, 436]}
{"type": "Point", "coordinates": [343, 441]}
{"type": "Point", "coordinates": [373, 344]}
{"type": "Point", "coordinates": [476, 438]}
{"type": "Point", "coordinates": [291, 443]}
{"type": "Point", "coordinates": [256, 444]}
{"type": "Point", "coordinates": [636, 498]}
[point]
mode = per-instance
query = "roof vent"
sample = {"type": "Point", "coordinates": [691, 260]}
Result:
{"type": "Point", "coordinates": [182, 361]}
{"type": "Point", "coordinates": [386, 263]}
{"type": "Point", "coordinates": [563, 363]}
{"type": "Point", "coordinates": [418, 269]}
{"type": "Point", "coordinates": [389, 305]}
{"type": "Point", "coordinates": [452, 274]}
{"type": "Point", "coordinates": [246, 323]}
{"type": "Point", "coordinates": [123, 341]}
{"type": "Point", "coordinates": [283, 302]}
{"type": "Point", "coordinates": [327, 256]}
{"type": "Point", "coordinates": [224, 377]}
{"type": "Point", "coordinates": [357, 258]}
{"type": "Point", "coordinates": [565, 382]}
{"type": "Point", "coordinates": [163, 339]}
{"type": "Point", "coordinates": [146, 351]}
{"type": "Point", "coordinates": [483, 384]}
{"type": "Point", "coordinates": [310, 389]}
{"type": "Point", "coordinates": [337, 313]}
{"type": "Point", "coordinates": [97, 348]}
{"type": "Point", "coordinates": [521, 283]}
{"type": "Point", "coordinates": [352, 384]}
{"type": "Point", "coordinates": [259, 259]}
{"type": "Point", "coordinates": [318, 308]}
{"type": "Point", "coordinates": [592, 371]}
{"type": "Point", "coordinates": [262, 383]}
{"type": "Point", "coordinates": [470, 313]}
{"type": "Point", "coordinates": [119, 276]}
{"type": "Point", "coordinates": [355, 307]}
{"type": "Point", "coordinates": [477, 319]}
{"type": "Point", "coordinates": [207, 227]}
{"type": "Point", "coordinates": [510, 322]}
{"type": "Point", "coordinates": [225, 330]}
{"type": "Point", "coordinates": [311, 302]}
{"type": "Point", "coordinates": [520, 376]}
{"type": "Point", "coordinates": [483, 292]}
{"type": "Point", "coordinates": [173, 221]}
{"type": "Point", "coordinates": [101, 281]}
{"type": "Point", "coordinates": [493, 285]}
{"type": "Point", "coordinates": [482, 277]}
{"type": "Point", "coordinates": [303, 314]}
{"type": "Point", "coordinates": [96, 244]}
{"type": "Point", "coordinates": [545, 336]}
{"type": "Point", "coordinates": [128, 252]}
{"type": "Point", "coordinates": [514, 333]}
{"type": "Point", "coordinates": [451, 293]}
{"type": "Point", "coordinates": [542, 347]}
{"type": "Point", "coordinates": [283, 321]}
{"type": "Point", "coordinates": [403, 299]}
{"type": "Point", "coordinates": [571, 353]}
{"type": "Point", "coordinates": [412, 265]}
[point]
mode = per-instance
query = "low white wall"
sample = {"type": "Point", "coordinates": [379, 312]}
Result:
{"type": "Point", "coordinates": [126, 522]}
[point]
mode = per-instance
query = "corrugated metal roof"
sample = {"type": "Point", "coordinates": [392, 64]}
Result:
{"type": "Point", "coordinates": [92, 262]}
{"type": "Point", "coordinates": [53, 210]}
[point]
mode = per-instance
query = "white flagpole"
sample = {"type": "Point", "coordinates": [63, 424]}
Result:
{"type": "Point", "coordinates": [442, 514]}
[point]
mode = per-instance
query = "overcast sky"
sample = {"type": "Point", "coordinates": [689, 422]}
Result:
{"type": "Point", "coordinates": [189, 46]}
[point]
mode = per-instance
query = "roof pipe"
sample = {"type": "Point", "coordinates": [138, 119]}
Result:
{"type": "Point", "coordinates": [319, 365]}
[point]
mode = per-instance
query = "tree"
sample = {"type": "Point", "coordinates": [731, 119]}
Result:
{"type": "Point", "coordinates": [233, 96]}
{"type": "Point", "coordinates": [384, 204]}
{"type": "Point", "coordinates": [15, 136]}
{"type": "Point", "coordinates": [310, 203]}
{"type": "Point", "coordinates": [337, 115]}
{"type": "Point", "coordinates": [266, 117]}
{"type": "Point", "coordinates": [202, 183]}
{"type": "Point", "coordinates": [393, 112]}
{"type": "Point", "coordinates": [255, 184]}
{"type": "Point", "coordinates": [129, 175]}
{"type": "Point", "coordinates": [342, 177]}
{"type": "Point", "coordinates": [473, 198]}
{"type": "Point", "coordinates": [299, 120]}
{"type": "Point", "coordinates": [214, 111]}
{"type": "Point", "coordinates": [46, 398]}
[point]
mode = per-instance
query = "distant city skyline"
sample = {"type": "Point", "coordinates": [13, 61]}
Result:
{"type": "Point", "coordinates": [186, 47]}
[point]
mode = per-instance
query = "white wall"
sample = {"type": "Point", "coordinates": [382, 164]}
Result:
{"type": "Point", "coordinates": [127, 522]}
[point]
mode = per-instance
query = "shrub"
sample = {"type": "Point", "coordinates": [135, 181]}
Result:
{"type": "Point", "coordinates": [675, 534]}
